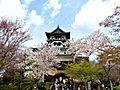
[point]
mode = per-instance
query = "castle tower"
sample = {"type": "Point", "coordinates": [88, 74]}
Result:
{"type": "Point", "coordinates": [57, 37]}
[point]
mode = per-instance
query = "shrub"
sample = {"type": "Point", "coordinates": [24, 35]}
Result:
{"type": "Point", "coordinates": [116, 88]}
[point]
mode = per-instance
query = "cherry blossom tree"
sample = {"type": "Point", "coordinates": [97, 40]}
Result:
{"type": "Point", "coordinates": [43, 58]}
{"type": "Point", "coordinates": [113, 22]}
{"type": "Point", "coordinates": [110, 57]}
{"type": "Point", "coordinates": [94, 42]}
{"type": "Point", "coordinates": [12, 35]}
{"type": "Point", "coordinates": [110, 61]}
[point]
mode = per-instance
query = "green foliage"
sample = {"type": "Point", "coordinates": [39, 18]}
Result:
{"type": "Point", "coordinates": [20, 86]}
{"type": "Point", "coordinates": [12, 76]}
{"type": "Point", "coordinates": [5, 87]}
{"type": "Point", "coordinates": [47, 85]}
{"type": "Point", "coordinates": [116, 88]}
{"type": "Point", "coordinates": [17, 78]}
{"type": "Point", "coordinates": [84, 71]}
{"type": "Point", "coordinates": [26, 85]}
{"type": "Point", "coordinates": [8, 87]}
{"type": "Point", "coordinates": [14, 79]}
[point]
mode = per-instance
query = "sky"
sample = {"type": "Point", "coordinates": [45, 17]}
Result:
{"type": "Point", "coordinates": [80, 17]}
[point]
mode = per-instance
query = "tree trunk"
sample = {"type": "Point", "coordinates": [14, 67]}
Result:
{"type": "Point", "coordinates": [98, 87]}
{"type": "Point", "coordinates": [86, 85]}
{"type": "Point", "coordinates": [43, 77]}
{"type": "Point", "coordinates": [89, 85]}
{"type": "Point", "coordinates": [111, 85]}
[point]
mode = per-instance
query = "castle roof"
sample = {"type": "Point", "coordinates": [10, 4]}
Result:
{"type": "Point", "coordinates": [58, 31]}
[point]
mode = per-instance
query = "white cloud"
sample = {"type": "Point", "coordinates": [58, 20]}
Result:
{"type": "Point", "coordinates": [35, 19]}
{"type": "Point", "coordinates": [31, 43]}
{"type": "Point", "coordinates": [12, 9]}
{"type": "Point", "coordinates": [93, 12]}
{"type": "Point", "coordinates": [53, 4]}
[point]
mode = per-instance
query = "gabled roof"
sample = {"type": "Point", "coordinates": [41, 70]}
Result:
{"type": "Point", "coordinates": [58, 31]}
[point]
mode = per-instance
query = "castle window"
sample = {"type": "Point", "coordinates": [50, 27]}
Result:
{"type": "Point", "coordinates": [59, 43]}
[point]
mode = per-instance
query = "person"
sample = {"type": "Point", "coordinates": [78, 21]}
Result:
{"type": "Point", "coordinates": [60, 83]}
{"type": "Point", "coordinates": [64, 84]}
{"type": "Point", "coordinates": [52, 87]}
{"type": "Point", "coordinates": [56, 84]}
{"type": "Point", "coordinates": [35, 88]}
{"type": "Point", "coordinates": [71, 84]}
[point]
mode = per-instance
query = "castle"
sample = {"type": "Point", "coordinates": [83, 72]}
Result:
{"type": "Point", "coordinates": [58, 38]}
